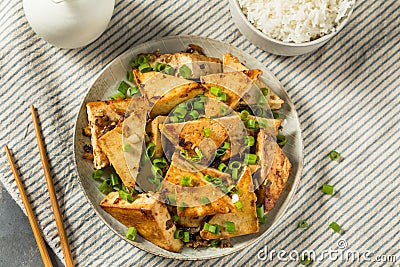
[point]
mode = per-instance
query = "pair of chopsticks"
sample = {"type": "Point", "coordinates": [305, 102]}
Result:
{"type": "Point", "coordinates": [54, 203]}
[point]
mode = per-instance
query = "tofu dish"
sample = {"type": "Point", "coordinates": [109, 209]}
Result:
{"type": "Point", "coordinates": [194, 150]}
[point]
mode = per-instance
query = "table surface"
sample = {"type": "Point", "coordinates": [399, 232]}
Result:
{"type": "Point", "coordinates": [17, 243]}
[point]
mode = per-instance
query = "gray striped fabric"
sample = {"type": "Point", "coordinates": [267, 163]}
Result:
{"type": "Point", "coordinates": [347, 96]}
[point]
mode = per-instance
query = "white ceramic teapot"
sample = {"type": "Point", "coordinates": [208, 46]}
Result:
{"type": "Point", "coordinates": [69, 23]}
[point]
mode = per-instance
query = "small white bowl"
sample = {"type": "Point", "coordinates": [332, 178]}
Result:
{"type": "Point", "coordinates": [274, 46]}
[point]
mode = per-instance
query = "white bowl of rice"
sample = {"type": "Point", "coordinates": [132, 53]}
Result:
{"type": "Point", "coordinates": [290, 27]}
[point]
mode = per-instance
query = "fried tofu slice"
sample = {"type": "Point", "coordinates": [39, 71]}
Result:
{"type": "Point", "coordinates": [164, 92]}
{"type": "Point", "coordinates": [245, 219]}
{"type": "Point", "coordinates": [270, 125]}
{"type": "Point", "coordinates": [189, 198]}
{"type": "Point", "coordinates": [153, 132]}
{"type": "Point", "coordinates": [234, 84]}
{"type": "Point", "coordinates": [104, 116]}
{"type": "Point", "coordinates": [190, 222]}
{"type": "Point", "coordinates": [275, 169]}
{"type": "Point", "coordinates": [199, 65]}
{"type": "Point", "coordinates": [111, 144]}
{"type": "Point", "coordinates": [190, 135]}
{"type": "Point", "coordinates": [232, 63]}
{"type": "Point", "coordinates": [148, 215]}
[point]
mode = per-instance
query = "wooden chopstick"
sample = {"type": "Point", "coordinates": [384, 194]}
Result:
{"type": "Point", "coordinates": [53, 198]}
{"type": "Point", "coordinates": [35, 228]}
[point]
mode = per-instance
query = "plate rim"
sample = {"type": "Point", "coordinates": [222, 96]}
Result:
{"type": "Point", "coordinates": [178, 256]}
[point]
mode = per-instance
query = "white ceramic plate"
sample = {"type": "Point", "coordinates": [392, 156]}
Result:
{"type": "Point", "coordinates": [105, 85]}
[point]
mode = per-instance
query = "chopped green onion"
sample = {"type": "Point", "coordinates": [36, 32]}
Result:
{"type": "Point", "coordinates": [262, 100]}
{"type": "Point", "coordinates": [260, 210]}
{"type": "Point", "coordinates": [212, 228]}
{"type": "Point", "coordinates": [135, 63]}
{"type": "Point", "coordinates": [251, 124]}
{"type": "Point", "coordinates": [180, 112]}
{"type": "Point", "coordinates": [215, 91]}
{"type": "Point", "coordinates": [264, 91]}
{"type": "Point", "coordinates": [222, 167]}
{"type": "Point", "coordinates": [250, 159]}
{"type": "Point", "coordinates": [126, 196]}
{"type": "Point", "coordinates": [208, 178]}
{"type": "Point", "coordinates": [97, 174]}
{"type": "Point", "coordinates": [222, 110]}
{"type": "Point", "coordinates": [175, 218]}
{"type": "Point", "coordinates": [182, 206]}
{"type": "Point", "coordinates": [302, 224]}
{"type": "Point", "coordinates": [123, 87]}
{"type": "Point", "coordinates": [185, 71]}
{"type": "Point", "coordinates": [160, 162]}
{"type": "Point", "coordinates": [129, 76]}
{"type": "Point", "coordinates": [198, 153]}
{"type": "Point", "coordinates": [186, 237]}
{"type": "Point", "coordinates": [184, 153]}
{"type": "Point", "coordinates": [327, 189]}
{"type": "Point", "coordinates": [173, 119]}
{"type": "Point", "coordinates": [281, 140]}
{"type": "Point", "coordinates": [186, 181]}
{"type": "Point", "coordinates": [171, 199]}
{"type": "Point", "coordinates": [131, 234]}
{"type": "Point", "coordinates": [151, 150]}
{"type": "Point", "coordinates": [219, 152]}
{"type": "Point", "coordinates": [117, 96]}
{"type": "Point", "coordinates": [105, 187]}
{"type": "Point", "coordinates": [114, 179]}
{"type": "Point", "coordinates": [169, 70]}
{"type": "Point", "coordinates": [198, 105]}
{"type": "Point", "coordinates": [215, 243]}
{"type": "Point", "coordinates": [276, 115]}
{"type": "Point", "coordinates": [145, 67]}
{"type": "Point", "coordinates": [178, 234]}
{"type": "Point", "coordinates": [126, 148]}
{"type": "Point", "coordinates": [206, 226]}
{"type": "Point", "coordinates": [235, 174]}
{"type": "Point", "coordinates": [183, 105]}
{"type": "Point", "coordinates": [262, 220]}
{"type": "Point", "coordinates": [156, 171]}
{"type": "Point", "coordinates": [334, 155]}
{"type": "Point", "coordinates": [142, 59]}
{"type": "Point", "coordinates": [222, 97]}
{"type": "Point", "coordinates": [305, 259]}
{"type": "Point", "coordinates": [239, 205]}
{"type": "Point", "coordinates": [335, 227]}
{"type": "Point", "coordinates": [249, 141]}
{"type": "Point", "coordinates": [194, 114]}
{"type": "Point", "coordinates": [207, 132]}
{"type": "Point", "coordinates": [132, 91]}
{"type": "Point", "coordinates": [159, 66]}
{"type": "Point", "coordinates": [244, 114]}
{"type": "Point", "coordinates": [217, 181]}
{"type": "Point", "coordinates": [201, 98]}
{"type": "Point", "coordinates": [204, 200]}
{"type": "Point", "coordinates": [230, 227]}
{"type": "Point", "coordinates": [235, 165]}
{"type": "Point", "coordinates": [225, 145]}
{"type": "Point", "coordinates": [233, 189]}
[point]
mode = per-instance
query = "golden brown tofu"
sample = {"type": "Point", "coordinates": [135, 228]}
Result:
{"type": "Point", "coordinates": [153, 131]}
{"type": "Point", "coordinates": [274, 172]}
{"type": "Point", "coordinates": [232, 63]}
{"type": "Point", "coordinates": [234, 84]}
{"type": "Point", "coordinates": [164, 92]}
{"type": "Point", "coordinates": [245, 219]}
{"type": "Point", "coordinates": [190, 222]}
{"type": "Point", "coordinates": [189, 199]}
{"type": "Point", "coordinates": [148, 215]}
{"type": "Point", "coordinates": [104, 116]}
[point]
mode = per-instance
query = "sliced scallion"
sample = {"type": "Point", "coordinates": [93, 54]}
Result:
{"type": "Point", "coordinates": [208, 178]}
{"type": "Point", "coordinates": [251, 124]}
{"type": "Point", "coordinates": [173, 119]}
{"type": "Point", "coordinates": [276, 115]}
{"type": "Point", "coordinates": [207, 132]}
{"type": "Point", "coordinates": [185, 181]}
{"type": "Point", "coordinates": [198, 106]}
{"type": "Point", "coordinates": [305, 259]}
{"type": "Point", "coordinates": [219, 152]}
{"type": "Point", "coordinates": [302, 224]}
{"type": "Point", "coordinates": [106, 187]}
{"type": "Point", "coordinates": [145, 67]}
{"type": "Point", "coordinates": [180, 112]}
{"type": "Point", "coordinates": [117, 96]}
{"type": "Point", "coordinates": [260, 210]}
{"type": "Point", "coordinates": [239, 205]}
{"type": "Point", "coordinates": [225, 145]}
{"type": "Point", "coordinates": [204, 200]}
{"type": "Point", "coordinates": [222, 110]}
{"type": "Point", "coordinates": [327, 189]}
{"type": "Point", "coordinates": [194, 114]}
{"type": "Point", "coordinates": [222, 167]}
{"type": "Point", "coordinates": [335, 227]}
{"type": "Point", "coordinates": [97, 174]}
{"type": "Point", "coordinates": [281, 140]}
{"type": "Point", "coordinates": [123, 87]}
{"type": "Point", "coordinates": [114, 180]}
{"type": "Point", "coordinates": [334, 155]}
{"type": "Point", "coordinates": [169, 70]}
{"type": "Point", "coordinates": [129, 76]}
{"type": "Point", "coordinates": [151, 150]}
{"type": "Point", "coordinates": [244, 115]}
{"type": "Point", "coordinates": [175, 218]}
{"type": "Point", "coordinates": [222, 97]}
{"type": "Point", "coordinates": [178, 234]}
{"type": "Point", "coordinates": [230, 227]}
{"type": "Point", "coordinates": [160, 162]}
{"type": "Point", "coordinates": [131, 233]}
{"type": "Point", "coordinates": [171, 199]}
{"type": "Point", "coordinates": [126, 147]}
{"type": "Point", "coordinates": [264, 91]}
{"type": "Point", "coordinates": [186, 237]}
{"type": "Point", "coordinates": [201, 98]}
{"type": "Point", "coordinates": [125, 196]}
{"type": "Point", "coordinates": [215, 91]}
{"type": "Point", "coordinates": [182, 205]}
{"type": "Point", "coordinates": [250, 159]}
{"type": "Point", "coordinates": [184, 153]}
{"type": "Point", "coordinates": [249, 141]}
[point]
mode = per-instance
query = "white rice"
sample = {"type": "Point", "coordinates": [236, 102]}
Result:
{"type": "Point", "coordinates": [296, 21]}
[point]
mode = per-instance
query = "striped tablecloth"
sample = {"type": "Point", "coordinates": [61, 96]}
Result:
{"type": "Point", "coordinates": [347, 95]}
